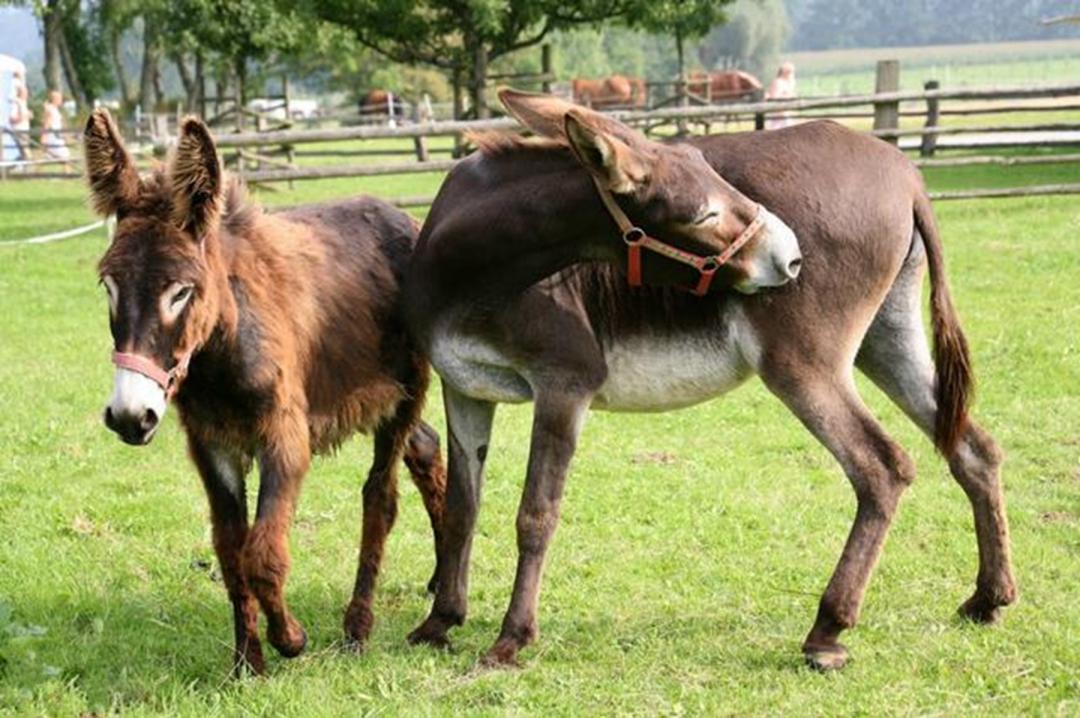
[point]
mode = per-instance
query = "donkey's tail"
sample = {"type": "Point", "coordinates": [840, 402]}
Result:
{"type": "Point", "coordinates": [954, 384]}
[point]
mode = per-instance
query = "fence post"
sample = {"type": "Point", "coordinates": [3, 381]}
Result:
{"type": "Point", "coordinates": [759, 117]}
{"type": "Point", "coordinates": [290, 151]}
{"type": "Point", "coordinates": [545, 66]}
{"type": "Point", "coordinates": [887, 114]}
{"type": "Point", "coordinates": [419, 142]}
{"type": "Point", "coordinates": [933, 114]}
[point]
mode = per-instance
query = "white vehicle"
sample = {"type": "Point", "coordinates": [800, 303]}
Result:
{"type": "Point", "coordinates": [274, 108]}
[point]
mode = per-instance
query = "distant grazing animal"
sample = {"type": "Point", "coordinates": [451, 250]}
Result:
{"type": "Point", "coordinates": [610, 92]}
{"type": "Point", "coordinates": [382, 103]}
{"type": "Point", "coordinates": [277, 336]}
{"type": "Point", "coordinates": [722, 85]}
{"type": "Point", "coordinates": [493, 295]}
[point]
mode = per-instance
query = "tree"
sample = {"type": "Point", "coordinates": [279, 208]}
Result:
{"type": "Point", "coordinates": [461, 37]}
{"type": "Point", "coordinates": [683, 19]}
{"type": "Point", "coordinates": [751, 39]}
{"type": "Point", "coordinates": [238, 33]}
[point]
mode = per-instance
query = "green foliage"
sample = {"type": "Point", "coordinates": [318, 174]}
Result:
{"type": "Point", "coordinates": [85, 34]}
{"type": "Point", "coordinates": [682, 18]}
{"type": "Point", "coordinates": [238, 31]}
{"type": "Point", "coordinates": [751, 39]}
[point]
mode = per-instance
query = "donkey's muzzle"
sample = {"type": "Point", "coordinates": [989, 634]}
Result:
{"type": "Point", "coordinates": [136, 407]}
{"type": "Point", "coordinates": [134, 429]}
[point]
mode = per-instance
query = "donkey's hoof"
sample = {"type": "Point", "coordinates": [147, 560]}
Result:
{"type": "Point", "coordinates": [248, 661]}
{"type": "Point", "coordinates": [359, 621]}
{"type": "Point", "coordinates": [826, 658]}
{"type": "Point", "coordinates": [291, 646]}
{"type": "Point", "coordinates": [980, 610]}
{"type": "Point", "coordinates": [430, 635]}
{"type": "Point", "coordinates": [502, 655]}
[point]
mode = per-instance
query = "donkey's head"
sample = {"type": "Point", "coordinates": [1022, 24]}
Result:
{"type": "Point", "coordinates": [671, 193]}
{"type": "Point", "coordinates": [162, 291]}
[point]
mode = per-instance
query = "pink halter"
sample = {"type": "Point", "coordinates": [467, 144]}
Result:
{"type": "Point", "coordinates": [169, 381]}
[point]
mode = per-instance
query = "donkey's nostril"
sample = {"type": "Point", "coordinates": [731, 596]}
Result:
{"type": "Point", "coordinates": [793, 267]}
{"type": "Point", "coordinates": [110, 422]}
{"type": "Point", "coordinates": [149, 420]}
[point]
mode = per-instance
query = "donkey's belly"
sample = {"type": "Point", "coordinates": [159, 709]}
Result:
{"type": "Point", "coordinates": [643, 373]}
{"type": "Point", "coordinates": [652, 375]}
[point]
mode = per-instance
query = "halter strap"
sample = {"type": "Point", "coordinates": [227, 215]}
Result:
{"type": "Point", "coordinates": [169, 381]}
{"type": "Point", "coordinates": [636, 239]}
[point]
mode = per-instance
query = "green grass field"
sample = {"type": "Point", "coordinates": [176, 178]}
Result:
{"type": "Point", "coordinates": [851, 71]}
{"type": "Point", "coordinates": [685, 573]}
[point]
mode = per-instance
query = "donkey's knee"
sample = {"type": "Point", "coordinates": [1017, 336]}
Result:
{"type": "Point", "coordinates": [265, 558]}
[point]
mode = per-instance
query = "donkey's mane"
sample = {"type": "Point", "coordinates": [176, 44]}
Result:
{"type": "Point", "coordinates": [495, 142]}
{"type": "Point", "coordinates": [239, 210]}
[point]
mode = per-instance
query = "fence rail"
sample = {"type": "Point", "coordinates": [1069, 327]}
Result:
{"type": "Point", "coordinates": [256, 154]}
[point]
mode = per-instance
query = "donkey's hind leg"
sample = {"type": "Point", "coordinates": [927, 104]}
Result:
{"type": "Point", "coordinates": [879, 471]}
{"type": "Point", "coordinates": [468, 433]}
{"type": "Point", "coordinates": [425, 463]}
{"type": "Point", "coordinates": [895, 356]}
{"type": "Point", "coordinates": [380, 511]}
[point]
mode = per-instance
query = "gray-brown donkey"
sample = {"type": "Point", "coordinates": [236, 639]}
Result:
{"type": "Point", "coordinates": [518, 212]}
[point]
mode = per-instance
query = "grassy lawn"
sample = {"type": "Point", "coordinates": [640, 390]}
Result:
{"type": "Point", "coordinates": [685, 573]}
{"type": "Point", "coordinates": [849, 71]}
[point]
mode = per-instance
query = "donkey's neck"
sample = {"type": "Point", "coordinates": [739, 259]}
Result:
{"type": "Point", "coordinates": [514, 221]}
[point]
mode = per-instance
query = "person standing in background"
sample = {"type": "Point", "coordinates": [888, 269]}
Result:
{"type": "Point", "coordinates": [52, 124]}
{"type": "Point", "coordinates": [781, 88]}
{"type": "Point", "coordinates": [20, 120]}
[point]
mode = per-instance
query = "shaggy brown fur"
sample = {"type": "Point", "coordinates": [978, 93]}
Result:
{"type": "Point", "coordinates": [298, 343]}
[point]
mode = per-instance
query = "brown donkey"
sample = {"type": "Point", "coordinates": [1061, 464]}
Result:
{"type": "Point", "coordinates": [497, 331]}
{"type": "Point", "coordinates": [277, 336]}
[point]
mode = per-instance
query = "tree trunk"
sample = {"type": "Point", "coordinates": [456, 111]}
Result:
{"type": "Point", "coordinates": [71, 74]}
{"type": "Point", "coordinates": [479, 81]}
{"type": "Point", "coordinates": [118, 67]}
{"type": "Point", "coordinates": [684, 98]}
{"type": "Point", "coordinates": [240, 72]}
{"type": "Point", "coordinates": [52, 19]}
{"type": "Point", "coordinates": [200, 85]}
{"type": "Point", "coordinates": [459, 108]}
{"type": "Point", "coordinates": [191, 91]}
{"type": "Point", "coordinates": [151, 57]}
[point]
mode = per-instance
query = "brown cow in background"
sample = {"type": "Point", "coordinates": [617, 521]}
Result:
{"type": "Point", "coordinates": [721, 85]}
{"type": "Point", "coordinates": [380, 102]}
{"type": "Point", "coordinates": [610, 92]}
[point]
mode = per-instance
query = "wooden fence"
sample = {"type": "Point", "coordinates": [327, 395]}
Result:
{"type": "Point", "coordinates": [258, 155]}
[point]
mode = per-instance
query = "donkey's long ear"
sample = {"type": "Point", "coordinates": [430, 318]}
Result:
{"type": "Point", "coordinates": [114, 182]}
{"type": "Point", "coordinates": [543, 114]}
{"type": "Point", "coordinates": [197, 179]}
{"type": "Point", "coordinates": [619, 167]}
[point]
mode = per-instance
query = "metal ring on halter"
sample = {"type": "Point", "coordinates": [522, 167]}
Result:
{"type": "Point", "coordinates": [634, 235]}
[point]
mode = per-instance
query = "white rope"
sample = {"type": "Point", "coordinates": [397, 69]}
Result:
{"type": "Point", "coordinates": [55, 236]}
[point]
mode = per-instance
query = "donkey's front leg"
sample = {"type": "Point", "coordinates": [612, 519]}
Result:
{"type": "Point", "coordinates": [879, 471]}
{"type": "Point", "coordinates": [557, 422]}
{"type": "Point", "coordinates": [283, 462]}
{"type": "Point", "coordinates": [222, 473]}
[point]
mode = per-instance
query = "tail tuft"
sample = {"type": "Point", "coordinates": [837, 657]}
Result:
{"type": "Point", "coordinates": [954, 384]}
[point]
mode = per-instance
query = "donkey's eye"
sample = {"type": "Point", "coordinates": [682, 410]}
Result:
{"type": "Point", "coordinates": [113, 291]}
{"type": "Point", "coordinates": [182, 295]}
{"type": "Point", "coordinates": [174, 300]}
